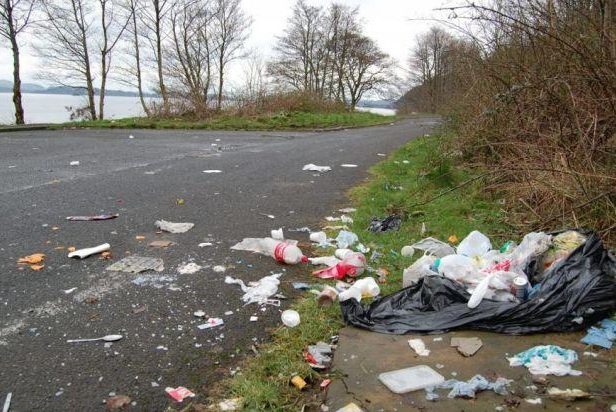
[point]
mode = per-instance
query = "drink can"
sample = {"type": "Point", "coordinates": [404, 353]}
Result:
{"type": "Point", "coordinates": [520, 288]}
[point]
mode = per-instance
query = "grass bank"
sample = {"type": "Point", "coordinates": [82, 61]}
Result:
{"type": "Point", "coordinates": [412, 182]}
{"type": "Point", "coordinates": [280, 121]}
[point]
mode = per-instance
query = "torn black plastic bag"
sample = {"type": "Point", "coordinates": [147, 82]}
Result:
{"type": "Point", "coordinates": [575, 293]}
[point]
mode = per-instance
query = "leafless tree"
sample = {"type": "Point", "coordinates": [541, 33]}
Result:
{"type": "Point", "coordinates": [112, 26]}
{"type": "Point", "coordinates": [366, 68]}
{"type": "Point", "coordinates": [231, 30]}
{"type": "Point", "coordinates": [190, 62]}
{"type": "Point", "coordinates": [133, 67]}
{"type": "Point", "coordinates": [67, 29]}
{"type": "Point", "coordinates": [14, 18]}
{"type": "Point", "coordinates": [153, 17]}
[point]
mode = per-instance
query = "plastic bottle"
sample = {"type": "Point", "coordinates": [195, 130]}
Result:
{"type": "Point", "coordinates": [351, 292]}
{"type": "Point", "coordinates": [281, 251]}
{"type": "Point", "coordinates": [353, 264]}
{"type": "Point", "coordinates": [341, 253]}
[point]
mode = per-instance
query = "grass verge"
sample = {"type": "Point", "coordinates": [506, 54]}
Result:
{"type": "Point", "coordinates": [281, 121]}
{"type": "Point", "coordinates": [415, 174]}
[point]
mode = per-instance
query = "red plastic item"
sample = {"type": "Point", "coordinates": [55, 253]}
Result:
{"type": "Point", "coordinates": [179, 393]}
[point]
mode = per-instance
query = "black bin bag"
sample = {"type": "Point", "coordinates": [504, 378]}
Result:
{"type": "Point", "coordinates": [574, 293]}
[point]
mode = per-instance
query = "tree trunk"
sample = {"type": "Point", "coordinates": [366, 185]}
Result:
{"type": "Point", "coordinates": [220, 80]}
{"type": "Point", "coordinates": [159, 60]}
{"type": "Point", "coordinates": [101, 97]}
{"type": "Point", "coordinates": [19, 110]}
{"type": "Point", "coordinates": [138, 64]}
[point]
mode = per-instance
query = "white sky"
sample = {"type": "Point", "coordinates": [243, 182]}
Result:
{"type": "Point", "coordinates": [385, 21]}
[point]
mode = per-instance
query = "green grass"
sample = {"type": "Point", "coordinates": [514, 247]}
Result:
{"type": "Point", "coordinates": [281, 121]}
{"type": "Point", "coordinates": [415, 174]}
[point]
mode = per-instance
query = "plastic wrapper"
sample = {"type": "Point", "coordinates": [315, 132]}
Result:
{"type": "Point", "coordinates": [580, 285]}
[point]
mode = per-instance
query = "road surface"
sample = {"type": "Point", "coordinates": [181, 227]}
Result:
{"type": "Point", "coordinates": [142, 179]}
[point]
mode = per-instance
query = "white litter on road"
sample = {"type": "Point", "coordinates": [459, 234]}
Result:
{"type": "Point", "coordinates": [189, 269]}
{"type": "Point", "coordinates": [419, 347]}
{"type": "Point", "coordinates": [211, 322]}
{"type": "Point", "coordinates": [204, 244]}
{"type": "Point", "coordinates": [212, 171]}
{"type": "Point", "coordinates": [74, 163]}
{"type": "Point", "coordinates": [348, 165]}
{"type": "Point", "coordinates": [69, 291]}
{"type": "Point", "coordinates": [172, 227]}
{"type": "Point", "coordinates": [314, 168]}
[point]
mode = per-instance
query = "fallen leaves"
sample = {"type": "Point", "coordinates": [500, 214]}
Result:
{"type": "Point", "coordinates": [106, 255]}
{"type": "Point", "coordinates": [35, 261]}
{"type": "Point", "coordinates": [117, 402]}
{"type": "Point", "coordinates": [71, 248]}
{"type": "Point", "coordinates": [453, 239]}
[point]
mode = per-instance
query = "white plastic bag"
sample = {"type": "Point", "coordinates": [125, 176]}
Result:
{"type": "Point", "coordinates": [434, 247]}
{"type": "Point", "coordinates": [534, 244]}
{"type": "Point", "coordinates": [418, 270]}
{"type": "Point", "coordinates": [474, 245]}
{"type": "Point", "coordinates": [479, 292]}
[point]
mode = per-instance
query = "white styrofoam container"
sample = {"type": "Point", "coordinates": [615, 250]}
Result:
{"type": "Point", "coordinates": [411, 379]}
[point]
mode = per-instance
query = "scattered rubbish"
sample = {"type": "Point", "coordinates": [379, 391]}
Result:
{"type": "Point", "coordinates": [156, 281]}
{"type": "Point", "coordinates": [199, 314]}
{"type": "Point", "coordinates": [318, 237]}
{"type": "Point", "coordinates": [117, 402]}
{"type": "Point", "coordinates": [562, 245]}
{"type": "Point", "coordinates": [7, 402]}
{"type": "Point", "coordinates": [346, 239]}
{"type": "Point", "coordinates": [106, 255]}
{"type": "Point", "coordinates": [172, 227]}
{"type": "Point", "coordinates": [139, 237]}
{"type": "Point", "coordinates": [69, 291]}
{"type": "Point", "coordinates": [212, 171]}
{"type": "Point", "coordinates": [467, 346]}
{"type": "Point", "coordinates": [298, 382]}
{"type": "Point", "coordinates": [84, 253]}
{"type": "Point", "coordinates": [348, 165]}
{"type": "Point", "coordinates": [301, 286]}
{"type": "Point", "coordinates": [418, 270]}
{"type": "Point", "coordinates": [290, 318]}
{"type": "Point", "coordinates": [258, 292]}
{"type": "Point", "coordinates": [107, 338]}
{"type": "Point", "coordinates": [219, 269]}
{"type": "Point", "coordinates": [229, 312]}
{"type": "Point", "coordinates": [327, 296]}
{"type": "Point", "coordinates": [91, 218]}
{"type": "Point", "coordinates": [351, 407]}
{"type": "Point", "coordinates": [180, 393]}
{"type": "Point", "coordinates": [230, 404]}
{"type": "Point", "coordinates": [353, 264]}
{"type": "Point", "coordinates": [179, 202]}
{"type": "Point", "coordinates": [325, 260]}
{"type": "Point", "coordinates": [382, 274]}
{"type": "Point", "coordinates": [35, 261]}
{"type": "Point", "coordinates": [407, 251]}
{"type": "Point", "coordinates": [602, 336]}
{"type": "Point", "coordinates": [431, 246]}
{"type": "Point", "coordinates": [594, 355]}
{"type": "Point", "coordinates": [286, 251]}
{"type": "Point", "coordinates": [533, 401]}
{"type": "Point", "coordinates": [333, 219]}
{"type": "Point", "coordinates": [325, 383]}
{"type": "Point", "coordinates": [468, 389]}
{"type": "Point", "coordinates": [361, 248]}
{"type": "Point", "coordinates": [204, 244]}
{"type": "Point", "coordinates": [314, 168]}
{"type": "Point", "coordinates": [211, 323]}
{"type": "Point", "coordinates": [268, 216]}
{"type": "Point", "coordinates": [365, 287]}
{"type": "Point", "coordinates": [452, 239]}
{"type": "Point", "coordinates": [131, 136]}
{"type": "Point", "coordinates": [419, 347]}
{"type": "Point", "coordinates": [160, 243]}
{"type": "Point", "coordinates": [391, 222]}
{"type": "Point", "coordinates": [546, 360]}
{"type": "Point", "coordinates": [277, 234]}
{"type": "Point", "coordinates": [189, 268]}
{"type": "Point", "coordinates": [137, 264]}
{"type": "Point", "coordinates": [411, 379]}
{"type": "Point", "coordinates": [254, 318]}
{"type": "Point", "coordinates": [319, 356]}
{"type": "Point", "coordinates": [580, 282]}
{"type": "Point", "coordinates": [348, 210]}
{"type": "Point", "coordinates": [341, 253]}
{"type": "Point", "coordinates": [567, 394]}
{"type": "Point", "coordinates": [476, 244]}
{"type": "Point", "coordinates": [74, 163]}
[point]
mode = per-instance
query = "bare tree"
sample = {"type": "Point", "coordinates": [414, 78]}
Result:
{"type": "Point", "coordinates": [231, 29]}
{"type": "Point", "coordinates": [112, 29]}
{"type": "Point", "coordinates": [190, 64]}
{"type": "Point", "coordinates": [133, 68]}
{"type": "Point", "coordinates": [14, 18]}
{"type": "Point", "coordinates": [366, 68]}
{"type": "Point", "coordinates": [67, 30]}
{"type": "Point", "coordinates": [153, 17]}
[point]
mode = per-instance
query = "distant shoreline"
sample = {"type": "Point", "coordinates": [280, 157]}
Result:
{"type": "Point", "coordinates": [107, 93]}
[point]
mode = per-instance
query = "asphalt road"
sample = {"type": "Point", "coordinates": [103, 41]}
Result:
{"type": "Point", "coordinates": [141, 179]}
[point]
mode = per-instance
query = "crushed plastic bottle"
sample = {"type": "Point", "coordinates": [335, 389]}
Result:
{"type": "Point", "coordinates": [286, 251]}
{"type": "Point", "coordinates": [353, 264]}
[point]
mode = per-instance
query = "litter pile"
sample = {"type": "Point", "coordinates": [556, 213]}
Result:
{"type": "Point", "coordinates": [562, 281]}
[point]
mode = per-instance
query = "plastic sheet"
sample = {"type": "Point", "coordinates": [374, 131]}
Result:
{"type": "Point", "coordinates": [581, 285]}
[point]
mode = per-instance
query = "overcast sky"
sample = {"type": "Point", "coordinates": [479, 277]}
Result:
{"type": "Point", "coordinates": [385, 21]}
